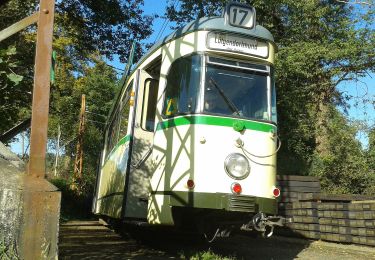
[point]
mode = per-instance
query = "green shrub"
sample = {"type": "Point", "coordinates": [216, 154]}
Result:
{"type": "Point", "coordinates": [73, 205]}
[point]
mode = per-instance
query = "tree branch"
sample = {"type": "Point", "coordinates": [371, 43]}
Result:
{"type": "Point", "coordinates": [355, 2]}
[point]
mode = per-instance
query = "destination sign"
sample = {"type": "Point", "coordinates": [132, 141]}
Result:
{"type": "Point", "coordinates": [235, 43]}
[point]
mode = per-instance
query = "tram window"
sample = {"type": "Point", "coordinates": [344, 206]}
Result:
{"type": "Point", "coordinates": [239, 64]}
{"type": "Point", "coordinates": [182, 86]}
{"type": "Point", "coordinates": [118, 126]}
{"type": "Point", "coordinates": [149, 104]}
{"type": "Point", "coordinates": [273, 97]}
{"type": "Point", "coordinates": [125, 108]}
{"type": "Point", "coordinates": [235, 92]}
{"type": "Point", "coordinates": [112, 133]}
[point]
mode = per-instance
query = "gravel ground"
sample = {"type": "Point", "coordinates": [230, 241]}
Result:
{"type": "Point", "coordinates": [91, 240]}
{"type": "Point", "coordinates": [243, 247]}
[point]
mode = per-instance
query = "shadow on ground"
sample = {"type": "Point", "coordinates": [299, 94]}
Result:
{"type": "Point", "coordinates": [91, 240]}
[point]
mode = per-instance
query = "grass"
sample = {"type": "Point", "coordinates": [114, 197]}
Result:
{"type": "Point", "coordinates": [205, 255]}
{"type": "Point", "coordinates": [7, 252]}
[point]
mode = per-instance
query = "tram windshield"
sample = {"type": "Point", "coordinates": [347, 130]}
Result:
{"type": "Point", "coordinates": [236, 89]}
{"type": "Point", "coordinates": [231, 88]}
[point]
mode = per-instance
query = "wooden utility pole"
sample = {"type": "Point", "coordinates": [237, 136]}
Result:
{"type": "Point", "coordinates": [77, 175]}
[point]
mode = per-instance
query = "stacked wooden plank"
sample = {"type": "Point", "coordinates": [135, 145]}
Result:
{"type": "Point", "coordinates": [348, 222]}
{"type": "Point", "coordinates": [305, 219]}
{"type": "Point", "coordinates": [337, 218]}
{"type": "Point", "coordinates": [344, 218]}
{"type": "Point", "coordinates": [304, 213]}
{"type": "Point", "coordinates": [292, 186]}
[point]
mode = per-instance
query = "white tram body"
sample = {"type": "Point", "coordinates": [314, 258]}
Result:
{"type": "Point", "coordinates": [193, 136]}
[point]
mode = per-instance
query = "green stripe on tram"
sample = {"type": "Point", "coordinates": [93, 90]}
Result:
{"type": "Point", "coordinates": [122, 141]}
{"type": "Point", "coordinates": [218, 121]}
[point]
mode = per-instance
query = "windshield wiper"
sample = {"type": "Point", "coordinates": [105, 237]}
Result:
{"type": "Point", "coordinates": [226, 99]}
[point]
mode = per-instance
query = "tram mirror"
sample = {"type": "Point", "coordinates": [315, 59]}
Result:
{"type": "Point", "coordinates": [240, 15]}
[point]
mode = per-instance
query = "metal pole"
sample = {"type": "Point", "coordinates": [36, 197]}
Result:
{"type": "Point", "coordinates": [40, 105]}
{"type": "Point", "coordinates": [23, 144]}
{"type": "Point", "coordinates": [57, 149]}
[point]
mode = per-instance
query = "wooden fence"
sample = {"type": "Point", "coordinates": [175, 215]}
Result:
{"type": "Point", "coordinates": [337, 218]}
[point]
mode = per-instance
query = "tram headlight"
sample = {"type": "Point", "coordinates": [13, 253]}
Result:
{"type": "Point", "coordinates": [237, 166]}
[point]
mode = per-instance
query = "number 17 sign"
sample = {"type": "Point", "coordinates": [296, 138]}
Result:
{"type": "Point", "coordinates": [240, 15]}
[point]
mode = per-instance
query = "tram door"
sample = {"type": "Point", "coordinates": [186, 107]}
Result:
{"type": "Point", "coordinates": [140, 164]}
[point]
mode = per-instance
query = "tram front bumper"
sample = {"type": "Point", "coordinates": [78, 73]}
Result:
{"type": "Point", "coordinates": [228, 202]}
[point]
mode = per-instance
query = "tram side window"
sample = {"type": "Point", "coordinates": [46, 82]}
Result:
{"type": "Point", "coordinates": [149, 104]}
{"type": "Point", "coordinates": [124, 114]}
{"type": "Point", "coordinates": [273, 97]}
{"type": "Point", "coordinates": [182, 86]}
{"type": "Point", "coordinates": [118, 126]}
{"type": "Point", "coordinates": [112, 133]}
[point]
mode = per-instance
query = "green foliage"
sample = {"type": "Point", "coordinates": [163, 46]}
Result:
{"type": "Point", "coordinates": [16, 63]}
{"type": "Point", "coordinates": [204, 255]}
{"type": "Point", "coordinates": [7, 252]}
{"type": "Point", "coordinates": [107, 26]}
{"type": "Point", "coordinates": [98, 83]}
{"type": "Point", "coordinates": [73, 206]}
{"type": "Point", "coordinates": [370, 156]}
{"type": "Point", "coordinates": [191, 10]}
{"type": "Point", "coordinates": [82, 28]}
{"type": "Point", "coordinates": [371, 149]}
{"type": "Point", "coordinates": [345, 168]}
{"type": "Point", "coordinates": [10, 86]}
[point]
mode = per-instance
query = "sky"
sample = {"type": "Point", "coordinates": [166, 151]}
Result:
{"type": "Point", "coordinates": [365, 88]}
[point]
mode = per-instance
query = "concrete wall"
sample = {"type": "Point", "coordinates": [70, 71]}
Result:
{"type": "Point", "coordinates": [29, 212]}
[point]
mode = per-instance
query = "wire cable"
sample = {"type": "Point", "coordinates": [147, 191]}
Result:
{"type": "Point", "coordinates": [260, 156]}
{"type": "Point", "coordinates": [165, 23]}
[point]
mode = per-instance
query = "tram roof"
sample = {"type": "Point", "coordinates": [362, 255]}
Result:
{"type": "Point", "coordinates": [216, 24]}
{"type": "Point", "coordinates": [210, 24]}
{"type": "Point", "coordinates": [203, 24]}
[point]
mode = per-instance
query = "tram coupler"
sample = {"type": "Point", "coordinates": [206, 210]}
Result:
{"type": "Point", "coordinates": [265, 224]}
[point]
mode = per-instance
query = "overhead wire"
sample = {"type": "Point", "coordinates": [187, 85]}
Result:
{"type": "Point", "coordinates": [165, 23]}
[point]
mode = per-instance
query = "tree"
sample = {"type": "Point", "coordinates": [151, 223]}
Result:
{"type": "Point", "coordinates": [98, 83]}
{"type": "Point", "coordinates": [16, 62]}
{"type": "Point", "coordinates": [371, 149]}
{"type": "Point", "coordinates": [82, 27]}
{"type": "Point", "coordinates": [107, 26]}
{"type": "Point", "coordinates": [10, 87]}
{"type": "Point", "coordinates": [345, 169]}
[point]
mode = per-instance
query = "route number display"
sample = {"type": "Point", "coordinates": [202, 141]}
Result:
{"type": "Point", "coordinates": [240, 15]}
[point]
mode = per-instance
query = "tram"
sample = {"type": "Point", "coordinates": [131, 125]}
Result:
{"type": "Point", "coordinates": [192, 138]}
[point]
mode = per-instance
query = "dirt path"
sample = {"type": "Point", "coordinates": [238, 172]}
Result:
{"type": "Point", "coordinates": [91, 240]}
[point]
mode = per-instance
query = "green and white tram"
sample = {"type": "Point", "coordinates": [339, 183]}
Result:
{"type": "Point", "coordinates": [192, 138]}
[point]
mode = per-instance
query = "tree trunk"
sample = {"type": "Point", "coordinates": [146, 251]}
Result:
{"type": "Point", "coordinates": [322, 119]}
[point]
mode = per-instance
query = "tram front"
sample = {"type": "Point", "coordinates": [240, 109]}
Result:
{"type": "Point", "coordinates": [215, 142]}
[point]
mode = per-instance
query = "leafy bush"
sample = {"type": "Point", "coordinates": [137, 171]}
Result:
{"type": "Point", "coordinates": [73, 205]}
{"type": "Point", "coordinates": [344, 168]}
